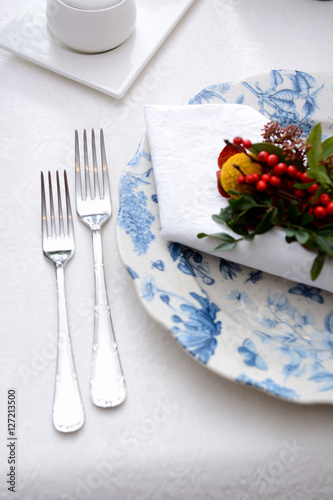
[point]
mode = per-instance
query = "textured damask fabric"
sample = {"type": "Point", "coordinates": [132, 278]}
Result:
{"type": "Point", "coordinates": [184, 433]}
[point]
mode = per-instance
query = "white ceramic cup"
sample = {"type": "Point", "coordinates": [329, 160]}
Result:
{"type": "Point", "coordinates": [91, 31]}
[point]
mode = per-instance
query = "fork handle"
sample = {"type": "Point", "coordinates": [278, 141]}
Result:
{"type": "Point", "coordinates": [107, 383]}
{"type": "Point", "coordinates": [68, 413]}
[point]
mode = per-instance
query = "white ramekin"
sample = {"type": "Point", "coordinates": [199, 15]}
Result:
{"type": "Point", "coordinates": [91, 31]}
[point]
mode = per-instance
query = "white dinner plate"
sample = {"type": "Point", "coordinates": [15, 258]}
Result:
{"type": "Point", "coordinates": [250, 327]}
{"type": "Point", "coordinates": [111, 72]}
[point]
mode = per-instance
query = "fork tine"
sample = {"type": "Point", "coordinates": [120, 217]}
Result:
{"type": "Point", "coordinates": [60, 213]}
{"type": "Point", "coordinates": [78, 185]}
{"type": "Point", "coordinates": [106, 185]}
{"type": "Point", "coordinates": [44, 219]}
{"type": "Point", "coordinates": [53, 227]}
{"type": "Point", "coordinates": [97, 190]}
{"type": "Point", "coordinates": [70, 229]}
{"type": "Point", "coordinates": [86, 167]}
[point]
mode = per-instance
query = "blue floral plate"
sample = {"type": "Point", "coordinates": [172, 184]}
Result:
{"type": "Point", "coordinates": [247, 326]}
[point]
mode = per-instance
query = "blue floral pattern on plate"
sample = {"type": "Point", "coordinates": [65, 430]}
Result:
{"type": "Point", "coordinates": [256, 329]}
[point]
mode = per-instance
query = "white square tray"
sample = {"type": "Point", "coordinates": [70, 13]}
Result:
{"type": "Point", "coordinates": [110, 72]}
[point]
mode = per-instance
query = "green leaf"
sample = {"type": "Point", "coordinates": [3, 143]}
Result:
{"type": "Point", "coordinates": [326, 230]}
{"type": "Point", "coordinates": [307, 219]}
{"type": "Point", "coordinates": [226, 246]}
{"type": "Point", "coordinates": [266, 223]}
{"type": "Point", "coordinates": [264, 199]}
{"type": "Point", "coordinates": [316, 195]}
{"type": "Point", "coordinates": [327, 147]}
{"type": "Point", "coordinates": [244, 202]}
{"type": "Point", "coordinates": [311, 244]}
{"type": "Point", "coordinates": [238, 228]}
{"type": "Point", "coordinates": [222, 218]}
{"type": "Point", "coordinates": [303, 186]}
{"type": "Point", "coordinates": [325, 244]}
{"type": "Point", "coordinates": [202, 235]}
{"type": "Point", "coordinates": [280, 209]}
{"type": "Point", "coordinates": [315, 154]}
{"type": "Point", "coordinates": [290, 231]}
{"type": "Point", "coordinates": [302, 236]}
{"type": "Point", "coordinates": [293, 213]}
{"type": "Point", "coordinates": [249, 237]}
{"type": "Point", "coordinates": [317, 265]}
{"type": "Point", "coordinates": [321, 175]}
{"type": "Point", "coordinates": [222, 236]}
{"type": "Point", "coordinates": [233, 192]}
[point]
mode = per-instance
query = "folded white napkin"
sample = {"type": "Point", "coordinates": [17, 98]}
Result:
{"type": "Point", "coordinates": [185, 142]}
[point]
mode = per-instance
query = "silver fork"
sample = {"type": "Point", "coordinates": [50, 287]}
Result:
{"type": "Point", "coordinates": [93, 205]}
{"type": "Point", "coordinates": [58, 247]}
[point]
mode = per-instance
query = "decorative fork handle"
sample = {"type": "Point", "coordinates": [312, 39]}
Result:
{"type": "Point", "coordinates": [107, 383]}
{"type": "Point", "coordinates": [68, 413]}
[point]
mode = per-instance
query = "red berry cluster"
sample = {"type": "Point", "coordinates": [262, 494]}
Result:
{"type": "Point", "coordinates": [239, 141]}
{"type": "Point", "coordinates": [281, 176]}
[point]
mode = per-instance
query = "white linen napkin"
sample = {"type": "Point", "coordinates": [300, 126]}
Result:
{"type": "Point", "coordinates": [185, 142]}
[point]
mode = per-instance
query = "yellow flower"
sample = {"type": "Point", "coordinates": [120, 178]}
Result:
{"type": "Point", "coordinates": [236, 165]}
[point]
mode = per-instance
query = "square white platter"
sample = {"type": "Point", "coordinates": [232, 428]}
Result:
{"type": "Point", "coordinates": [110, 72]}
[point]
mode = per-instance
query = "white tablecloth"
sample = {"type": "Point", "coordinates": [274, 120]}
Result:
{"type": "Point", "coordinates": [183, 433]}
